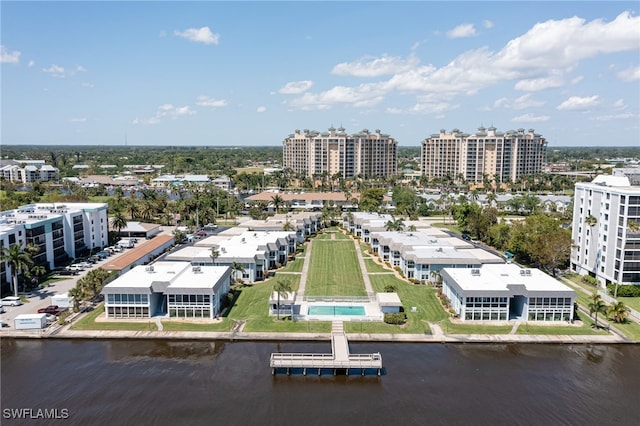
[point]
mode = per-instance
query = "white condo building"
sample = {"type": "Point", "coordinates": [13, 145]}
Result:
{"type": "Point", "coordinates": [606, 243]}
{"type": "Point", "coordinates": [507, 292]}
{"type": "Point", "coordinates": [336, 152]}
{"type": "Point", "coordinates": [60, 231]}
{"type": "Point", "coordinates": [168, 289]}
{"type": "Point", "coordinates": [501, 156]}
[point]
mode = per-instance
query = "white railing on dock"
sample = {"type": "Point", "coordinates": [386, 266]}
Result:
{"type": "Point", "coordinates": [305, 360]}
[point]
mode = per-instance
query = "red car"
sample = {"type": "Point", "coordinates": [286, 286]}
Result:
{"type": "Point", "coordinates": [201, 234]}
{"type": "Point", "coordinates": [51, 309]}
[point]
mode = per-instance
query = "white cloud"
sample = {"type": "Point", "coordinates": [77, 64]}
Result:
{"type": "Point", "coordinates": [393, 110]}
{"type": "Point", "coordinates": [530, 118]}
{"type": "Point", "coordinates": [630, 74]}
{"type": "Point", "coordinates": [55, 71]}
{"type": "Point", "coordinates": [85, 84]}
{"type": "Point", "coordinates": [261, 109]}
{"type": "Point", "coordinates": [521, 102]}
{"type": "Point", "coordinates": [556, 44]}
{"type": "Point", "coordinates": [461, 31]}
{"type": "Point", "coordinates": [487, 24]}
{"type": "Point", "coordinates": [539, 59]}
{"type": "Point", "coordinates": [577, 103]}
{"type": "Point", "coordinates": [296, 87]}
{"type": "Point", "coordinates": [375, 67]}
{"type": "Point", "coordinates": [365, 95]}
{"type": "Point", "coordinates": [621, 116]}
{"type": "Point", "coordinates": [78, 120]}
{"type": "Point", "coordinates": [199, 35]}
{"type": "Point", "coordinates": [165, 111]}
{"type": "Point", "coordinates": [31, 63]}
{"type": "Point", "coordinates": [619, 105]}
{"type": "Point", "coordinates": [210, 102]}
{"type": "Point", "coordinates": [7, 57]}
{"type": "Point", "coordinates": [537, 84]}
{"type": "Point", "coordinates": [61, 72]}
{"type": "Point", "coordinates": [433, 107]}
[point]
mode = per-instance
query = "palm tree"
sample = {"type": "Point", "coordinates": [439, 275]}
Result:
{"type": "Point", "coordinates": [411, 228]}
{"type": "Point", "coordinates": [633, 226]}
{"type": "Point", "coordinates": [18, 260]}
{"type": "Point", "coordinates": [237, 267]}
{"type": "Point", "coordinates": [282, 288]}
{"type": "Point", "coordinates": [596, 306]}
{"type": "Point", "coordinates": [38, 271]}
{"type": "Point", "coordinates": [118, 222]}
{"type": "Point", "coordinates": [214, 254]}
{"type": "Point", "coordinates": [590, 220]}
{"type": "Point", "coordinates": [77, 293]}
{"type": "Point", "coordinates": [394, 225]}
{"type": "Point", "coordinates": [437, 276]}
{"type": "Point", "coordinates": [619, 312]}
{"type": "Point", "coordinates": [277, 202]}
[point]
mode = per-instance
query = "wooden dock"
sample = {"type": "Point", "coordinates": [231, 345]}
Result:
{"type": "Point", "coordinates": [339, 359]}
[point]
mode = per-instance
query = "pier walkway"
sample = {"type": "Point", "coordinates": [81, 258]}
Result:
{"type": "Point", "coordinates": [339, 359]}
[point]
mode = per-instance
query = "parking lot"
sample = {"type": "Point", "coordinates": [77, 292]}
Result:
{"type": "Point", "coordinates": [41, 298]}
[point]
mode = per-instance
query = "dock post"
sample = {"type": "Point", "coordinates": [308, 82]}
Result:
{"type": "Point", "coordinates": [304, 371]}
{"type": "Point", "coordinates": [288, 371]}
{"type": "Point", "coordinates": [273, 371]}
{"type": "Point", "coordinates": [319, 371]}
{"type": "Point", "coordinates": [362, 372]}
{"type": "Point", "coordinates": [378, 371]}
{"type": "Point", "coordinates": [346, 371]}
{"type": "Point", "coordinates": [334, 372]}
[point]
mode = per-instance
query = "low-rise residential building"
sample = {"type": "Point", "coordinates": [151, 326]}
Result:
{"type": "Point", "coordinates": [168, 289]}
{"type": "Point", "coordinates": [28, 171]}
{"type": "Point", "coordinates": [254, 253]}
{"type": "Point", "coordinates": [421, 256]}
{"type": "Point", "coordinates": [506, 293]}
{"type": "Point", "coordinates": [304, 224]}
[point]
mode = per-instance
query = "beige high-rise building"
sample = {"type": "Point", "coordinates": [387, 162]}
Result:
{"type": "Point", "coordinates": [335, 152]}
{"type": "Point", "coordinates": [501, 156]}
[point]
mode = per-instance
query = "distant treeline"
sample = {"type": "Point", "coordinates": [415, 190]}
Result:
{"type": "Point", "coordinates": [224, 160]}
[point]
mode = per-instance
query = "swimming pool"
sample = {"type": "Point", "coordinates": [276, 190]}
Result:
{"type": "Point", "coordinates": [336, 310]}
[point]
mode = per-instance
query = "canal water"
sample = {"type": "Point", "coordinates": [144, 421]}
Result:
{"type": "Point", "coordinates": [135, 382]}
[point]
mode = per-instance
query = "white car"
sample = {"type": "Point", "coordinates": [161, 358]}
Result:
{"type": "Point", "coordinates": [51, 318]}
{"type": "Point", "coordinates": [10, 301]}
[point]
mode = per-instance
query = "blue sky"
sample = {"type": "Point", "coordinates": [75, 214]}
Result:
{"type": "Point", "coordinates": [250, 73]}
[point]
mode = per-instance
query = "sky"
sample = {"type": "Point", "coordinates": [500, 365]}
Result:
{"type": "Point", "coordinates": [251, 73]}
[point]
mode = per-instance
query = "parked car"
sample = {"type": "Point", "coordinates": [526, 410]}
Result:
{"type": "Point", "coordinates": [68, 272]}
{"type": "Point", "coordinates": [2, 309]}
{"type": "Point", "coordinates": [51, 318]}
{"type": "Point", "coordinates": [75, 267]}
{"type": "Point", "coordinates": [52, 310]}
{"type": "Point", "coordinates": [201, 234]}
{"type": "Point", "coordinates": [11, 301]}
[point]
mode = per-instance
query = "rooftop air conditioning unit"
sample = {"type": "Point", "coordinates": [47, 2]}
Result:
{"type": "Point", "coordinates": [196, 269]}
{"type": "Point", "coordinates": [149, 269]}
{"type": "Point", "coordinates": [475, 272]}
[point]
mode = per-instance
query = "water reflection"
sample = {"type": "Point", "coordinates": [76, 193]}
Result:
{"type": "Point", "coordinates": [177, 350]}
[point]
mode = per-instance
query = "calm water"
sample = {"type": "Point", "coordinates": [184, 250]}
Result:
{"type": "Point", "coordinates": [212, 383]}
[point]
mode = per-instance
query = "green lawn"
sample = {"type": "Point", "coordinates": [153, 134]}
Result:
{"type": "Point", "coordinates": [372, 266]}
{"type": "Point", "coordinates": [100, 198]}
{"type": "Point", "coordinates": [585, 328]}
{"type": "Point", "coordinates": [632, 302]}
{"type": "Point", "coordinates": [88, 322]}
{"type": "Point", "coordinates": [252, 306]}
{"type": "Point", "coordinates": [469, 328]}
{"type": "Point", "coordinates": [334, 270]}
{"type": "Point", "coordinates": [293, 265]}
{"type": "Point", "coordinates": [185, 325]}
{"type": "Point", "coordinates": [428, 308]}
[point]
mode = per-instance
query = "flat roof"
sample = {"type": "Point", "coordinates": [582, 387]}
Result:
{"type": "Point", "coordinates": [501, 277]}
{"type": "Point", "coordinates": [132, 255]}
{"type": "Point", "coordinates": [168, 277]}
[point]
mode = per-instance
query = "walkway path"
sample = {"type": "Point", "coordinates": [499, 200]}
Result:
{"type": "Point", "coordinates": [363, 269]}
{"type": "Point", "coordinates": [305, 272]}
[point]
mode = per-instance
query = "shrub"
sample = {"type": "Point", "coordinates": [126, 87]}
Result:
{"type": "Point", "coordinates": [625, 290]}
{"type": "Point", "coordinates": [590, 280]}
{"type": "Point", "coordinates": [395, 318]}
{"type": "Point", "coordinates": [390, 288]}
